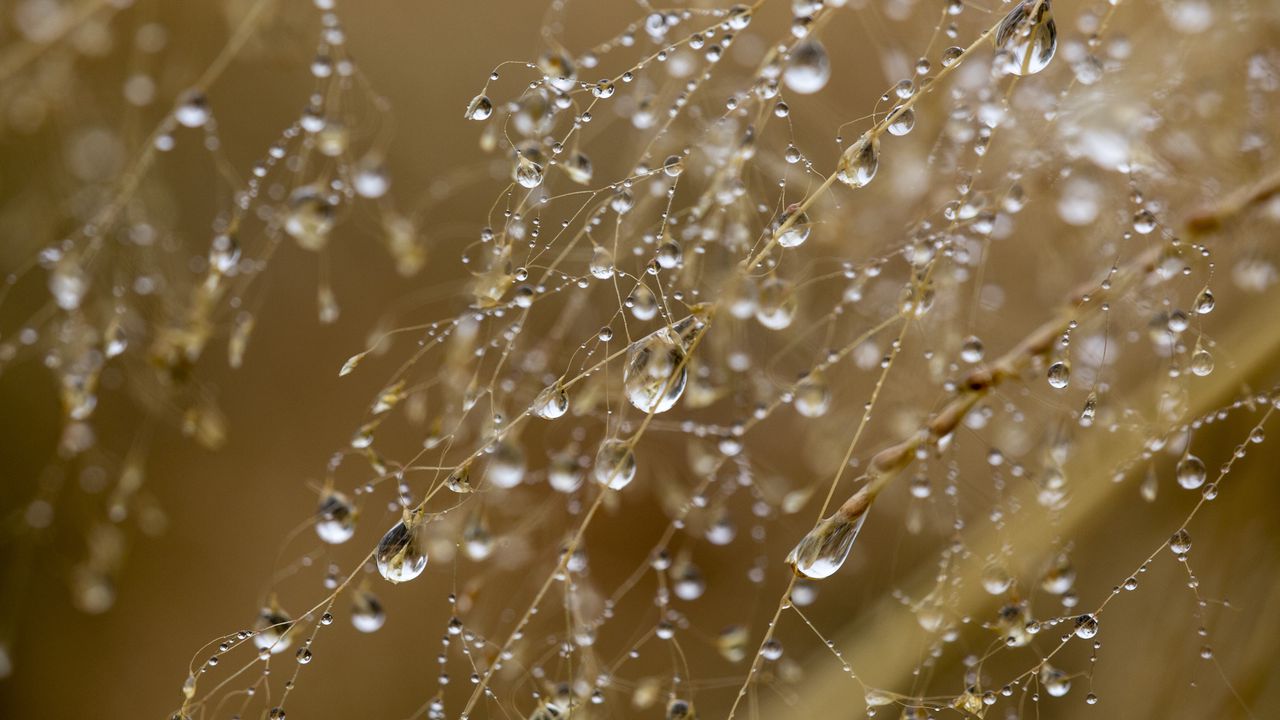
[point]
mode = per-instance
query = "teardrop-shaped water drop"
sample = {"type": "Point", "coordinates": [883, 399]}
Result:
{"type": "Point", "coordinates": [480, 108]}
{"type": "Point", "coordinates": [813, 396]}
{"type": "Point", "coordinates": [1059, 375]}
{"type": "Point", "coordinates": [615, 466]}
{"type": "Point", "coordinates": [506, 466]}
{"type": "Point", "coordinates": [552, 402]}
{"type": "Point", "coordinates": [1190, 472]}
{"type": "Point", "coordinates": [477, 539]}
{"type": "Point", "coordinates": [1027, 43]}
{"type": "Point", "coordinates": [336, 518]}
{"type": "Point", "coordinates": [656, 371]}
{"type": "Point", "coordinates": [858, 163]}
{"type": "Point", "coordinates": [271, 632]}
{"type": "Point", "coordinates": [796, 224]}
{"type": "Point", "coordinates": [821, 552]}
{"type": "Point", "coordinates": [777, 304]}
{"type": "Point", "coordinates": [367, 614]}
{"type": "Point", "coordinates": [601, 265]}
{"type": "Point", "coordinates": [310, 217]}
{"type": "Point", "coordinates": [530, 167]}
{"type": "Point", "coordinates": [809, 68]}
{"type": "Point", "coordinates": [400, 554]}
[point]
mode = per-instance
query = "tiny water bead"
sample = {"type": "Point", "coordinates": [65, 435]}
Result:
{"type": "Point", "coordinates": [1027, 43]}
{"type": "Point", "coordinates": [656, 371]}
{"type": "Point", "coordinates": [400, 555]}
{"type": "Point", "coordinates": [615, 465]}
{"type": "Point", "coordinates": [825, 548]}
{"type": "Point", "coordinates": [1180, 543]}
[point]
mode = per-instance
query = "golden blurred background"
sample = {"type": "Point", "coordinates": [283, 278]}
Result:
{"type": "Point", "coordinates": [220, 523]}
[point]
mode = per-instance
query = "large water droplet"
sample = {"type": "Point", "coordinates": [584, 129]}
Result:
{"type": "Point", "coordinates": [1190, 472]}
{"type": "Point", "coordinates": [1027, 43]}
{"type": "Point", "coordinates": [400, 554]}
{"type": "Point", "coordinates": [809, 68]}
{"type": "Point", "coordinates": [615, 465]}
{"type": "Point", "coordinates": [858, 164]}
{"type": "Point", "coordinates": [656, 372]}
{"type": "Point", "coordinates": [824, 549]}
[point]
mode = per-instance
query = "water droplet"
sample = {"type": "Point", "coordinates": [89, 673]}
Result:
{"type": "Point", "coordinates": [400, 554]}
{"type": "Point", "coordinates": [1027, 43]}
{"type": "Point", "coordinates": [1144, 222]}
{"type": "Point", "coordinates": [336, 518]}
{"type": "Point", "coordinates": [996, 579]}
{"type": "Point", "coordinates": [1190, 472]}
{"type": "Point", "coordinates": [1055, 681]}
{"type": "Point", "coordinates": [310, 217]}
{"type": "Point", "coordinates": [271, 630]}
{"type": "Point", "coordinates": [809, 68]}
{"type": "Point", "coordinates": [615, 465]}
{"type": "Point", "coordinates": [972, 351]}
{"type": "Point", "coordinates": [506, 465]}
{"type": "Point", "coordinates": [901, 121]}
{"type": "Point", "coordinates": [813, 396]}
{"type": "Point", "coordinates": [530, 167]}
{"type": "Point", "coordinates": [679, 709]}
{"type": "Point", "coordinates": [367, 614]}
{"type": "Point", "coordinates": [1059, 375]}
{"type": "Point", "coordinates": [656, 372]}
{"type": "Point", "coordinates": [477, 540]}
{"type": "Point", "coordinates": [480, 108]}
{"type": "Point", "coordinates": [68, 283]}
{"type": "Point", "coordinates": [371, 179]}
{"type": "Point", "coordinates": [1086, 626]}
{"type": "Point", "coordinates": [858, 163]}
{"type": "Point", "coordinates": [551, 403]}
{"type": "Point", "coordinates": [563, 474]}
{"type": "Point", "coordinates": [777, 304]}
{"type": "Point", "coordinates": [824, 549]}
{"type": "Point", "coordinates": [601, 265]}
{"type": "Point", "coordinates": [1180, 543]}
{"type": "Point", "coordinates": [1201, 362]}
{"type": "Point", "coordinates": [797, 232]}
{"type": "Point", "coordinates": [192, 110]}
{"type": "Point", "coordinates": [1204, 302]}
{"type": "Point", "coordinates": [579, 168]}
